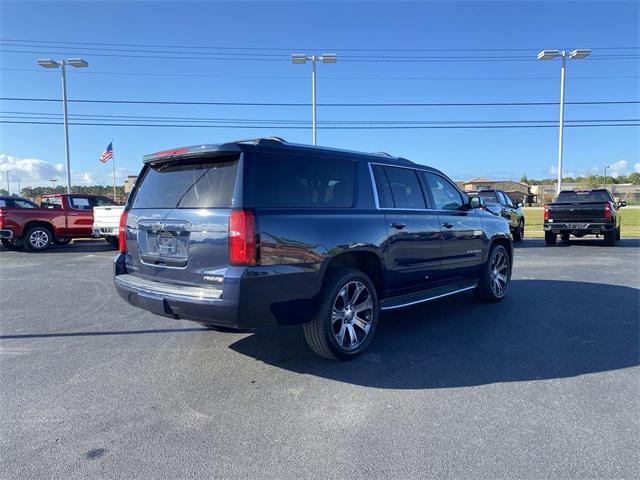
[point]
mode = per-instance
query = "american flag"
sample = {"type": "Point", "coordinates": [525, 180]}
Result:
{"type": "Point", "coordinates": [107, 154]}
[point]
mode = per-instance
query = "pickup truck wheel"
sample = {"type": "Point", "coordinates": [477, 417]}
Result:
{"type": "Point", "coordinates": [37, 238]}
{"type": "Point", "coordinates": [518, 234]}
{"type": "Point", "coordinates": [495, 279]}
{"type": "Point", "coordinates": [113, 241]}
{"type": "Point", "coordinates": [12, 244]}
{"type": "Point", "coordinates": [610, 238]}
{"type": "Point", "coordinates": [346, 318]}
{"type": "Point", "coordinates": [565, 237]}
{"type": "Point", "coordinates": [550, 238]}
{"type": "Point", "coordinates": [61, 241]}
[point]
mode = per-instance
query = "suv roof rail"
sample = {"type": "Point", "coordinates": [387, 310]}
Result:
{"type": "Point", "coordinates": [260, 140]}
{"type": "Point", "coordinates": [384, 153]}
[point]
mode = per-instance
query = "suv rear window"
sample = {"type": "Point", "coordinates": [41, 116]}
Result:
{"type": "Point", "coordinates": [199, 183]}
{"type": "Point", "coordinates": [302, 182]}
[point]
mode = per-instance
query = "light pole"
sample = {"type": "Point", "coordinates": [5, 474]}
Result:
{"type": "Point", "coordinates": [74, 62]}
{"type": "Point", "coordinates": [53, 183]}
{"type": "Point", "coordinates": [605, 175]}
{"type": "Point", "coordinates": [576, 54]}
{"type": "Point", "coordinates": [298, 58]}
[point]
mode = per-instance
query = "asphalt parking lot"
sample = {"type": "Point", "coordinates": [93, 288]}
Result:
{"type": "Point", "coordinates": [544, 384]}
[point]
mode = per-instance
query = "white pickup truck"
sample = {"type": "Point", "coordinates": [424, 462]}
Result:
{"type": "Point", "coordinates": [106, 221]}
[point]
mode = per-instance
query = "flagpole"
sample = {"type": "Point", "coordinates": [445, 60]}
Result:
{"type": "Point", "coordinates": [113, 162]}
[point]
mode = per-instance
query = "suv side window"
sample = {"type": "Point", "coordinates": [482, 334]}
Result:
{"type": "Point", "coordinates": [405, 188]}
{"type": "Point", "coordinates": [445, 195]}
{"type": "Point", "coordinates": [385, 199]}
{"type": "Point", "coordinates": [289, 181]}
{"type": "Point", "coordinates": [507, 200]}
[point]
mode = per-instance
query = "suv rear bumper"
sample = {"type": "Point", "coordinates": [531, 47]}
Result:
{"type": "Point", "coordinates": [247, 298]}
{"type": "Point", "coordinates": [178, 301]}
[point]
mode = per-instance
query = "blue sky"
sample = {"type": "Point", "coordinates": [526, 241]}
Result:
{"type": "Point", "coordinates": [36, 152]}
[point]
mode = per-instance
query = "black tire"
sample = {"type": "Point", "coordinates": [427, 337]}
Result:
{"type": "Point", "coordinates": [565, 237]}
{"type": "Point", "coordinates": [518, 234]}
{"type": "Point", "coordinates": [37, 238]}
{"type": "Point", "coordinates": [61, 241]}
{"type": "Point", "coordinates": [550, 238]}
{"type": "Point", "coordinates": [490, 287]}
{"type": "Point", "coordinates": [618, 234]}
{"type": "Point", "coordinates": [610, 238]}
{"type": "Point", "coordinates": [113, 241]}
{"type": "Point", "coordinates": [336, 318]}
{"type": "Point", "coordinates": [12, 244]}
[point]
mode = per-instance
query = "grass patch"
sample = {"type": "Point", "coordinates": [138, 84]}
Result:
{"type": "Point", "coordinates": [630, 218]}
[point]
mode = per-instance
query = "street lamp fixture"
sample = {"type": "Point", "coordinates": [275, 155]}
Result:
{"type": "Point", "coordinates": [300, 58]}
{"type": "Point", "coordinates": [577, 54]}
{"type": "Point", "coordinates": [77, 63]}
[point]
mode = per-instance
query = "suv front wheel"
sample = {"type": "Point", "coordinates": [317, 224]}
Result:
{"type": "Point", "coordinates": [346, 317]}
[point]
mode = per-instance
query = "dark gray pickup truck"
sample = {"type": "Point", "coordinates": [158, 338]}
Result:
{"type": "Point", "coordinates": [583, 212]}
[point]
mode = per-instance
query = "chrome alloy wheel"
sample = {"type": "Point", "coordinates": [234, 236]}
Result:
{"type": "Point", "coordinates": [499, 273]}
{"type": "Point", "coordinates": [351, 315]}
{"type": "Point", "coordinates": [39, 239]}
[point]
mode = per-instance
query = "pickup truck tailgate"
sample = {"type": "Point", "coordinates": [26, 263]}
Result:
{"type": "Point", "coordinates": [576, 211]}
{"type": "Point", "coordinates": [107, 217]}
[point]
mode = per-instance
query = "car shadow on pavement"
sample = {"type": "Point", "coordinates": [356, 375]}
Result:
{"type": "Point", "coordinates": [542, 330]}
{"type": "Point", "coordinates": [91, 246]}
{"type": "Point", "coordinates": [587, 242]}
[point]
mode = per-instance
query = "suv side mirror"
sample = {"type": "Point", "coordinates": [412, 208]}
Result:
{"type": "Point", "coordinates": [622, 204]}
{"type": "Point", "coordinates": [520, 205]}
{"type": "Point", "coordinates": [474, 202]}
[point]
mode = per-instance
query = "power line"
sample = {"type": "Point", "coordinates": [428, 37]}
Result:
{"type": "Point", "coordinates": [289, 104]}
{"type": "Point", "coordinates": [102, 117]}
{"type": "Point", "coordinates": [297, 47]}
{"type": "Point", "coordinates": [324, 78]}
{"type": "Point", "coordinates": [263, 58]}
{"type": "Point", "coordinates": [272, 127]}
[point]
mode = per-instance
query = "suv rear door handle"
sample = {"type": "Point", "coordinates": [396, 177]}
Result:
{"type": "Point", "coordinates": [398, 225]}
{"type": "Point", "coordinates": [447, 225]}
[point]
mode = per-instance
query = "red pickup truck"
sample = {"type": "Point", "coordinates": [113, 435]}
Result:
{"type": "Point", "coordinates": [57, 220]}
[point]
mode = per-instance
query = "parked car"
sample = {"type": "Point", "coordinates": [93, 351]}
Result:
{"type": "Point", "coordinates": [264, 232]}
{"type": "Point", "coordinates": [499, 203]}
{"type": "Point", "coordinates": [583, 212]}
{"type": "Point", "coordinates": [106, 222]}
{"type": "Point", "coordinates": [57, 220]}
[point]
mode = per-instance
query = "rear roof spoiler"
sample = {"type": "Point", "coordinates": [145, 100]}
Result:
{"type": "Point", "coordinates": [208, 150]}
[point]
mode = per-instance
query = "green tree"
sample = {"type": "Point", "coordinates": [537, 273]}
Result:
{"type": "Point", "coordinates": [524, 179]}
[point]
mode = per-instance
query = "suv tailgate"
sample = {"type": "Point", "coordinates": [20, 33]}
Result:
{"type": "Point", "coordinates": [178, 221]}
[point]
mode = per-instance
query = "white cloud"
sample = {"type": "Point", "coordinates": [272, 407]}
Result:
{"type": "Point", "coordinates": [636, 167]}
{"type": "Point", "coordinates": [619, 168]}
{"type": "Point", "coordinates": [30, 171]}
{"type": "Point", "coordinates": [35, 172]}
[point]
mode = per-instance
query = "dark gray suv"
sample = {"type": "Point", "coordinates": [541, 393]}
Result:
{"type": "Point", "coordinates": [264, 232]}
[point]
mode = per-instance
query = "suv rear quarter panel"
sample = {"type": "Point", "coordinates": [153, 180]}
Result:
{"type": "Point", "coordinates": [297, 244]}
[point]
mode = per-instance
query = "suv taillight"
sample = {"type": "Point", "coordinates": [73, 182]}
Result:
{"type": "Point", "coordinates": [122, 232]}
{"type": "Point", "coordinates": [1, 218]}
{"type": "Point", "coordinates": [546, 212]}
{"type": "Point", "coordinates": [607, 212]}
{"type": "Point", "coordinates": [243, 244]}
